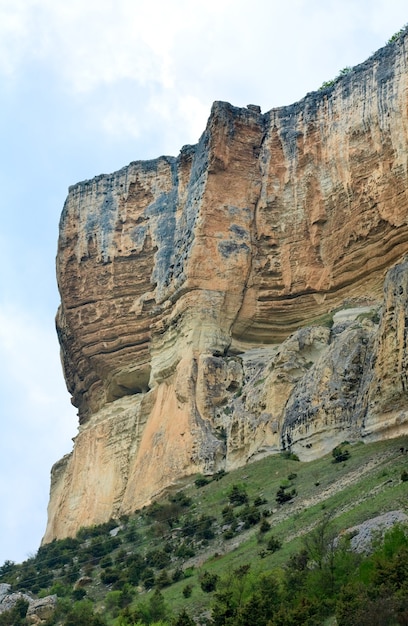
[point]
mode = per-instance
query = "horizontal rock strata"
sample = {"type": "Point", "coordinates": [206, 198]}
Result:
{"type": "Point", "coordinates": [196, 291]}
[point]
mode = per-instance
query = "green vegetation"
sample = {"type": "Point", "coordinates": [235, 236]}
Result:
{"type": "Point", "coordinates": [346, 70]}
{"type": "Point", "coordinates": [398, 34]}
{"type": "Point", "coordinates": [340, 454]}
{"type": "Point", "coordinates": [258, 544]}
{"type": "Point", "coordinates": [342, 72]}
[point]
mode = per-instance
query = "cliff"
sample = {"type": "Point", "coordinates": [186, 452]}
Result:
{"type": "Point", "coordinates": [195, 295]}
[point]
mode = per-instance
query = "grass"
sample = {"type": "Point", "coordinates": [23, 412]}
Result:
{"type": "Point", "coordinates": [367, 484]}
{"type": "Point", "coordinates": [370, 492]}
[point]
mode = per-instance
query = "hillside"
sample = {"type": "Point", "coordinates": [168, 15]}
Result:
{"type": "Point", "coordinates": [229, 534]}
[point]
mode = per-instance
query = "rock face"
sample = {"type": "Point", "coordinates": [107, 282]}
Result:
{"type": "Point", "coordinates": [195, 295]}
{"type": "Point", "coordinates": [38, 611]}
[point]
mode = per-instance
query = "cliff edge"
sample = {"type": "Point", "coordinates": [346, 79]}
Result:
{"type": "Point", "coordinates": [231, 302]}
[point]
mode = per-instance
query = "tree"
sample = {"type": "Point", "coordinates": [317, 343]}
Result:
{"type": "Point", "coordinates": [317, 542]}
{"type": "Point", "coordinates": [152, 610]}
{"type": "Point", "coordinates": [208, 582]}
{"type": "Point", "coordinates": [283, 496]}
{"type": "Point", "coordinates": [262, 604]}
{"type": "Point", "coordinates": [82, 614]}
{"type": "Point", "coordinates": [340, 454]}
{"type": "Point", "coordinates": [183, 619]}
{"type": "Point", "coordinates": [238, 495]}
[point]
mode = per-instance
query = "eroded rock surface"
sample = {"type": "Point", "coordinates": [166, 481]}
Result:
{"type": "Point", "coordinates": [38, 611]}
{"type": "Point", "coordinates": [194, 293]}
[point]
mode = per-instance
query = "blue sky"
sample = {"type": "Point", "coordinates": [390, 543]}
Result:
{"type": "Point", "coordinates": [87, 86]}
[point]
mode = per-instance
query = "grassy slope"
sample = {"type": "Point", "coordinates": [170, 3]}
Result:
{"type": "Point", "coordinates": [367, 484]}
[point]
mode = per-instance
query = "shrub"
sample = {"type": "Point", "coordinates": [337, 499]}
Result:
{"type": "Point", "coordinates": [237, 495]}
{"type": "Point", "coordinates": [250, 516]}
{"type": "Point", "coordinates": [208, 582]}
{"type": "Point", "coordinates": [273, 544]}
{"type": "Point", "coordinates": [180, 498]}
{"type": "Point", "coordinates": [178, 574]}
{"type": "Point", "coordinates": [158, 559]}
{"type": "Point", "coordinates": [113, 600]}
{"type": "Point", "coordinates": [166, 513]}
{"type": "Point", "coordinates": [291, 456]}
{"type": "Point", "coordinates": [340, 454]}
{"type": "Point", "coordinates": [16, 615]}
{"type": "Point", "coordinates": [396, 35]}
{"type": "Point", "coordinates": [109, 576]}
{"type": "Point", "coordinates": [183, 619]}
{"type": "Point", "coordinates": [259, 501]}
{"type": "Point", "coordinates": [228, 514]}
{"type": "Point", "coordinates": [200, 527]}
{"type": "Point", "coordinates": [131, 534]}
{"type": "Point", "coordinates": [147, 578]}
{"type": "Point", "coordinates": [185, 551]}
{"type": "Point", "coordinates": [78, 594]}
{"type": "Point", "coordinates": [201, 481]}
{"type": "Point", "coordinates": [163, 579]}
{"type": "Point", "coordinates": [404, 476]}
{"type": "Point", "coordinates": [187, 590]}
{"type": "Point", "coordinates": [283, 496]}
{"type": "Point", "coordinates": [265, 526]}
{"type": "Point", "coordinates": [82, 614]}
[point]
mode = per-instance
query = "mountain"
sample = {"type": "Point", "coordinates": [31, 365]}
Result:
{"type": "Point", "coordinates": [246, 297]}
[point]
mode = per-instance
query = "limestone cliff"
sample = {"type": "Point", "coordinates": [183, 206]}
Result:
{"type": "Point", "coordinates": [194, 291]}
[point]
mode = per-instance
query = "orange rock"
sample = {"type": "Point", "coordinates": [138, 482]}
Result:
{"type": "Point", "coordinates": [169, 268]}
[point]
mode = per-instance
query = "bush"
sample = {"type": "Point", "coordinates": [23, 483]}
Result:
{"type": "Point", "coordinates": [228, 534]}
{"type": "Point", "coordinates": [265, 526]}
{"type": "Point", "coordinates": [238, 495]}
{"type": "Point", "coordinates": [113, 600]}
{"type": "Point", "coordinates": [291, 456]}
{"type": "Point", "coordinates": [109, 576]}
{"type": "Point", "coordinates": [208, 582]}
{"type": "Point", "coordinates": [283, 496]}
{"type": "Point", "coordinates": [185, 551]}
{"type": "Point", "coordinates": [340, 454]}
{"type": "Point", "coordinates": [82, 614]}
{"type": "Point", "coordinates": [163, 579]}
{"type": "Point", "coordinates": [178, 574]}
{"type": "Point", "coordinates": [273, 544]}
{"type": "Point", "coordinates": [220, 474]}
{"type": "Point", "coordinates": [260, 500]}
{"type": "Point", "coordinates": [187, 591]}
{"type": "Point", "coordinates": [158, 559]}
{"type": "Point", "coordinates": [201, 481]}
{"type": "Point", "coordinates": [147, 578]}
{"type": "Point", "coordinates": [250, 516]}
{"type": "Point", "coordinates": [181, 499]}
{"type": "Point", "coordinates": [228, 515]}
{"type": "Point", "coordinates": [183, 619]}
{"type": "Point", "coordinates": [78, 594]}
{"type": "Point", "coordinates": [200, 528]}
{"type": "Point", "coordinates": [16, 615]}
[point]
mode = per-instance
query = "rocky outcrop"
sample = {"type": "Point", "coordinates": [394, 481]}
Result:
{"type": "Point", "coordinates": [38, 610]}
{"type": "Point", "coordinates": [194, 293]}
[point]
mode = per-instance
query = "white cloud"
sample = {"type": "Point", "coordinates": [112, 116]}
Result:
{"type": "Point", "coordinates": [169, 53]}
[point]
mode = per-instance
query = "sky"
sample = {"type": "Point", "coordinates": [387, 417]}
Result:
{"type": "Point", "coordinates": [86, 87]}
